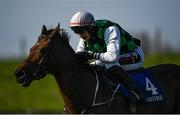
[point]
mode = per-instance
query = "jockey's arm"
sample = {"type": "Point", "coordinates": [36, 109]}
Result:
{"type": "Point", "coordinates": [81, 46]}
{"type": "Point", "coordinates": [112, 40]}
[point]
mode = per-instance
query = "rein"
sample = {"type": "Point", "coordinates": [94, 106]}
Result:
{"type": "Point", "coordinates": [72, 68]}
{"type": "Point", "coordinates": [42, 67]}
{"type": "Point", "coordinates": [94, 104]}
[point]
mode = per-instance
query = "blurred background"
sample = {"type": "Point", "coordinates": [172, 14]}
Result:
{"type": "Point", "coordinates": [155, 22]}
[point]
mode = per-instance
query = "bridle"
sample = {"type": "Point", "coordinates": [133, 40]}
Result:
{"type": "Point", "coordinates": [41, 67]}
{"type": "Point", "coordinates": [41, 70]}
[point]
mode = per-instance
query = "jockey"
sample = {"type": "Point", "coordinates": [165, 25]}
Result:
{"type": "Point", "coordinates": [109, 44]}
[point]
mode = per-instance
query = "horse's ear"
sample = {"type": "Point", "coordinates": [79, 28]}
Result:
{"type": "Point", "coordinates": [55, 30]}
{"type": "Point", "coordinates": [58, 26]}
{"type": "Point", "coordinates": [44, 29]}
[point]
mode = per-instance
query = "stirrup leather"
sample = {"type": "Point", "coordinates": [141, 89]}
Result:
{"type": "Point", "coordinates": [134, 95]}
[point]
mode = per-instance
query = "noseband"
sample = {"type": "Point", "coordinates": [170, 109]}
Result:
{"type": "Point", "coordinates": [41, 66]}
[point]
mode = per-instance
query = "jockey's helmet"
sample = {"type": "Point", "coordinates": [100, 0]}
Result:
{"type": "Point", "coordinates": [82, 19]}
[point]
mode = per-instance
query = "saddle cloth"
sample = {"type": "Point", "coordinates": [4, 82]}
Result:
{"type": "Point", "coordinates": [147, 84]}
{"type": "Point", "coordinates": [144, 79]}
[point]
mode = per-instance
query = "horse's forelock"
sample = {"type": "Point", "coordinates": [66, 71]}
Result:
{"type": "Point", "coordinates": [49, 31]}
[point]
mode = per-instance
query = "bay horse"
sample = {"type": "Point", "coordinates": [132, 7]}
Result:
{"type": "Point", "coordinates": [81, 87]}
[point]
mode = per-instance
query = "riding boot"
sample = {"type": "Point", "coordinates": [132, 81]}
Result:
{"type": "Point", "coordinates": [123, 77]}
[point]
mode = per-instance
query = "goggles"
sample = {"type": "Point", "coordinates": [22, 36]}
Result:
{"type": "Point", "coordinates": [78, 30]}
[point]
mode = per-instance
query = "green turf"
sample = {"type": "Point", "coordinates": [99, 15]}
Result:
{"type": "Point", "coordinates": [41, 96]}
{"type": "Point", "coordinates": [162, 59]}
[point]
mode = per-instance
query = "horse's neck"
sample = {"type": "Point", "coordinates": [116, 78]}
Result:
{"type": "Point", "coordinates": [76, 82]}
{"type": "Point", "coordinates": [77, 88]}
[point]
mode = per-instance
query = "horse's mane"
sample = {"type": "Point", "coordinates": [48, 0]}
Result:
{"type": "Point", "coordinates": [62, 34]}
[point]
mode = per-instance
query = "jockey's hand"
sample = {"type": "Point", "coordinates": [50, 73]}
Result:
{"type": "Point", "coordinates": [90, 54]}
{"type": "Point", "coordinates": [85, 56]}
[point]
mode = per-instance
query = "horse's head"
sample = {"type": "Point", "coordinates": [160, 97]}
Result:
{"type": "Point", "coordinates": [41, 59]}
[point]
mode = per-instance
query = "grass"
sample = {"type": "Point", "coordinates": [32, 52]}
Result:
{"type": "Point", "coordinates": [43, 96]}
{"type": "Point", "coordinates": [162, 59]}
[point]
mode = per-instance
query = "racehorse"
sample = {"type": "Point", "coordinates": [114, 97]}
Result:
{"type": "Point", "coordinates": [83, 88]}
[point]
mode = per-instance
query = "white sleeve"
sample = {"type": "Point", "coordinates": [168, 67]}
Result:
{"type": "Point", "coordinates": [81, 46]}
{"type": "Point", "coordinates": [112, 39]}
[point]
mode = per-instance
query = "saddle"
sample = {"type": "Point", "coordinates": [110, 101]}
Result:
{"type": "Point", "coordinates": [144, 79]}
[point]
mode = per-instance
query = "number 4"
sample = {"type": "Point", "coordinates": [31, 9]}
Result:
{"type": "Point", "coordinates": [151, 87]}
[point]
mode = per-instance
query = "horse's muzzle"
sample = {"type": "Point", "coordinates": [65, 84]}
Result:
{"type": "Point", "coordinates": [21, 78]}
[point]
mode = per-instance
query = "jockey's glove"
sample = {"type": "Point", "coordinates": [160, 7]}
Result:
{"type": "Point", "coordinates": [85, 56]}
{"type": "Point", "coordinates": [93, 55]}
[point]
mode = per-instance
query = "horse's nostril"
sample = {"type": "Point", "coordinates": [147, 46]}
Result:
{"type": "Point", "coordinates": [19, 74]}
